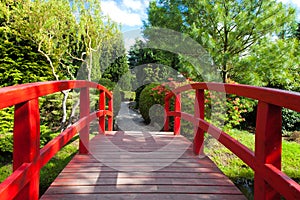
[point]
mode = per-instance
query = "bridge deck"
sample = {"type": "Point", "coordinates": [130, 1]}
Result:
{"type": "Point", "coordinates": [136, 165]}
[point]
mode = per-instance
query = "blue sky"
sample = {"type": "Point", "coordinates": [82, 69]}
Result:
{"type": "Point", "coordinates": [131, 13]}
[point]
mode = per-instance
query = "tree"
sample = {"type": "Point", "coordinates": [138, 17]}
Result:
{"type": "Point", "coordinates": [20, 62]}
{"type": "Point", "coordinates": [226, 29]}
{"type": "Point", "coordinates": [66, 36]}
{"type": "Point", "coordinates": [155, 63]}
{"type": "Point", "coordinates": [271, 63]}
{"type": "Point", "coordinates": [96, 32]}
{"type": "Point", "coordinates": [113, 60]}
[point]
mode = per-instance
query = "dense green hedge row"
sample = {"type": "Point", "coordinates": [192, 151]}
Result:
{"type": "Point", "coordinates": [228, 111]}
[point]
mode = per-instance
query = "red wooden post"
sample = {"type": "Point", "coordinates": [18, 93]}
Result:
{"type": "Point", "coordinates": [267, 146]}
{"type": "Point", "coordinates": [84, 111]}
{"type": "Point", "coordinates": [177, 118]}
{"type": "Point", "coordinates": [27, 145]}
{"type": "Point", "coordinates": [199, 113]}
{"type": "Point", "coordinates": [167, 119]}
{"type": "Point", "coordinates": [102, 107]}
{"type": "Point", "coordinates": [110, 118]}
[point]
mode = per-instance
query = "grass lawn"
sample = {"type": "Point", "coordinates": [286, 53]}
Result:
{"type": "Point", "coordinates": [50, 171]}
{"type": "Point", "coordinates": [238, 171]}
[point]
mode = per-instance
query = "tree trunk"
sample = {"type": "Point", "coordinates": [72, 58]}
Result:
{"type": "Point", "coordinates": [224, 73]}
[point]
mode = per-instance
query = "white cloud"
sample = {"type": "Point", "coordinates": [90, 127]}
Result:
{"type": "Point", "coordinates": [129, 13]}
{"type": "Point", "coordinates": [133, 4]}
{"type": "Point", "coordinates": [292, 2]}
{"type": "Point", "coordinates": [295, 4]}
{"type": "Point", "coordinates": [119, 15]}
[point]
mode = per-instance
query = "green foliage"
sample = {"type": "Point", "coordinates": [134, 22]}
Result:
{"type": "Point", "coordinates": [238, 171]}
{"type": "Point", "coordinates": [151, 65]}
{"type": "Point", "coordinates": [107, 83]}
{"type": "Point", "coordinates": [117, 69]}
{"type": "Point", "coordinates": [152, 94]}
{"type": "Point", "coordinates": [272, 64]}
{"type": "Point", "coordinates": [116, 93]}
{"type": "Point", "coordinates": [228, 110]}
{"type": "Point", "coordinates": [128, 95]}
{"type": "Point", "coordinates": [6, 129]}
{"type": "Point", "coordinates": [226, 29]}
{"type": "Point", "coordinates": [290, 120]}
{"type": "Point", "coordinates": [51, 170]}
{"type": "Point", "coordinates": [138, 92]}
{"type": "Point", "coordinates": [6, 143]}
{"type": "Point", "coordinates": [117, 100]}
{"type": "Point", "coordinates": [125, 82]}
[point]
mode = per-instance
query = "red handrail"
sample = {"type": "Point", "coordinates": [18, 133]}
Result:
{"type": "Point", "coordinates": [28, 158]}
{"type": "Point", "coordinates": [269, 181]}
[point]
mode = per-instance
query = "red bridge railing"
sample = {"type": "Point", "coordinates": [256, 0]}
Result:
{"type": "Point", "coordinates": [269, 181]}
{"type": "Point", "coordinates": [28, 158]}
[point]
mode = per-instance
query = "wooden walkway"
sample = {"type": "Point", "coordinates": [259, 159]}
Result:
{"type": "Point", "coordinates": [136, 165]}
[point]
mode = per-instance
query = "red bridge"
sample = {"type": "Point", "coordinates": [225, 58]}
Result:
{"type": "Point", "coordinates": [116, 175]}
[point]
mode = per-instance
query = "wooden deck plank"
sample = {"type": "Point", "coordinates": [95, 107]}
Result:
{"type": "Point", "coordinates": [143, 196]}
{"type": "Point", "coordinates": [141, 165]}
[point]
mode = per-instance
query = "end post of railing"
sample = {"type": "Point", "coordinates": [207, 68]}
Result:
{"type": "Point", "coordinates": [27, 145]}
{"type": "Point", "coordinates": [102, 107]}
{"type": "Point", "coordinates": [199, 113]}
{"type": "Point", "coordinates": [110, 118]}
{"type": "Point", "coordinates": [177, 118]}
{"type": "Point", "coordinates": [167, 118]}
{"type": "Point", "coordinates": [84, 111]}
{"type": "Point", "coordinates": [268, 146]}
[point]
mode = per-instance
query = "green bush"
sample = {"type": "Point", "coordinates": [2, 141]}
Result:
{"type": "Point", "coordinates": [6, 129]}
{"type": "Point", "coordinates": [116, 93]}
{"type": "Point", "coordinates": [152, 94]}
{"type": "Point", "coordinates": [117, 100]}
{"type": "Point", "coordinates": [6, 143]}
{"type": "Point", "coordinates": [290, 120]}
{"type": "Point", "coordinates": [138, 92]}
{"type": "Point", "coordinates": [107, 83]}
{"type": "Point", "coordinates": [229, 110]}
{"type": "Point", "coordinates": [127, 95]}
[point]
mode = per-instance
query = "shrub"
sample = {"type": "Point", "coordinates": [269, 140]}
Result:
{"type": "Point", "coordinates": [116, 93]}
{"type": "Point", "coordinates": [117, 100]}
{"type": "Point", "coordinates": [290, 120]}
{"type": "Point", "coordinates": [107, 83]}
{"type": "Point", "coordinates": [6, 129]}
{"type": "Point", "coordinates": [138, 92]}
{"type": "Point", "coordinates": [229, 111]}
{"type": "Point", "coordinates": [152, 94]}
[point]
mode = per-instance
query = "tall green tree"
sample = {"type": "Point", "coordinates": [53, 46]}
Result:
{"type": "Point", "coordinates": [96, 32]}
{"type": "Point", "coordinates": [20, 61]}
{"type": "Point", "coordinates": [226, 29]}
{"type": "Point", "coordinates": [64, 33]}
{"type": "Point", "coordinates": [273, 64]}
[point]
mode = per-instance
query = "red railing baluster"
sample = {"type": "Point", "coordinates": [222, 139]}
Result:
{"type": "Point", "coordinates": [102, 107]}
{"type": "Point", "coordinates": [267, 146]}
{"type": "Point", "coordinates": [84, 111]}
{"type": "Point", "coordinates": [269, 181]}
{"type": "Point", "coordinates": [167, 118]}
{"type": "Point", "coordinates": [27, 145]}
{"type": "Point", "coordinates": [199, 113]}
{"type": "Point", "coordinates": [28, 159]}
{"type": "Point", "coordinates": [110, 118]}
{"type": "Point", "coordinates": [177, 118]}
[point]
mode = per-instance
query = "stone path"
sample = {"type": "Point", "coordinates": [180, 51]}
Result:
{"type": "Point", "coordinates": [128, 120]}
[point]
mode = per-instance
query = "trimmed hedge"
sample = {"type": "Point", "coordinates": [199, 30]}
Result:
{"type": "Point", "coordinates": [148, 98]}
